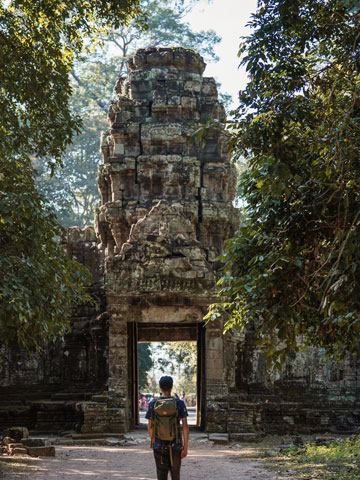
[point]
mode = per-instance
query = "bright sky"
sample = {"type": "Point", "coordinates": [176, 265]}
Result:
{"type": "Point", "coordinates": [228, 18]}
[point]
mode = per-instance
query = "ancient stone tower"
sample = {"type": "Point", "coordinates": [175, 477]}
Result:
{"type": "Point", "coordinates": [166, 210]}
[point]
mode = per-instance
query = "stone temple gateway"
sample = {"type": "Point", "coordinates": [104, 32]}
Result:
{"type": "Point", "coordinates": [165, 213]}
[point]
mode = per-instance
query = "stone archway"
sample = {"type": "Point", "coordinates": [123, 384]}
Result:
{"type": "Point", "coordinates": [167, 332]}
{"type": "Point", "coordinates": [164, 323]}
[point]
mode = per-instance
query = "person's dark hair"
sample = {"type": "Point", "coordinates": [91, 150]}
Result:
{"type": "Point", "coordinates": [166, 383]}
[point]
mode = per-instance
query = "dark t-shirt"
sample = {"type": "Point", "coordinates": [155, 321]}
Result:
{"type": "Point", "coordinates": [150, 415]}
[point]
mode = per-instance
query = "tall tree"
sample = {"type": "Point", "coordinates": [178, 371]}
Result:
{"type": "Point", "coordinates": [166, 26]}
{"type": "Point", "coordinates": [73, 190]}
{"type": "Point", "coordinates": [294, 266]}
{"type": "Point", "coordinates": [180, 359]}
{"type": "Point", "coordinates": [145, 364]}
{"type": "Point", "coordinates": [39, 40]}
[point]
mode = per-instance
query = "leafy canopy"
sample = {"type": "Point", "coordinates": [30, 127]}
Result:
{"type": "Point", "coordinates": [145, 364]}
{"type": "Point", "coordinates": [293, 268]}
{"type": "Point", "coordinates": [179, 359]}
{"type": "Point", "coordinates": [38, 280]}
{"type": "Point", "coordinates": [38, 43]}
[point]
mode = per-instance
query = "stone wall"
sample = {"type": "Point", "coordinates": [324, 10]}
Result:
{"type": "Point", "coordinates": [42, 391]}
{"type": "Point", "coordinates": [309, 395]}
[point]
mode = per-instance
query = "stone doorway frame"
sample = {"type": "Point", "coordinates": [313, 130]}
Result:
{"type": "Point", "coordinates": [166, 332]}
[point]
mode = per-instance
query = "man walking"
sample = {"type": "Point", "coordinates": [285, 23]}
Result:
{"type": "Point", "coordinates": [164, 417]}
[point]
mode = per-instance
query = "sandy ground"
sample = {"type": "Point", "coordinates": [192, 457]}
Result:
{"type": "Point", "coordinates": [204, 461]}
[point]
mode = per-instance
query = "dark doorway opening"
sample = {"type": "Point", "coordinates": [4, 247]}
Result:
{"type": "Point", "coordinates": [156, 332]}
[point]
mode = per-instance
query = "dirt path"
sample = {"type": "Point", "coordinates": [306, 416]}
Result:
{"type": "Point", "coordinates": [210, 462]}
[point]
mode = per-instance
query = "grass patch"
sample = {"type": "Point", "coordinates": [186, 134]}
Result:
{"type": "Point", "coordinates": [338, 460]}
{"type": "Point", "coordinates": [12, 465]}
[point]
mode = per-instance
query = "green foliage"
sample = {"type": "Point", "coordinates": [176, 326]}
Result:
{"type": "Point", "coordinates": [338, 460]}
{"type": "Point", "coordinates": [38, 43]}
{"type": "Point", "coordinates": [145, 362]}
{"type": "Point", "coordinates": [180, 359]}
{"type": "Point", "coordinates": [294, 266]}
{"type": "Point", "coordinates": [73, 190]}
{"type": "Point", "coordinates": [38, 280]}
{"type": "Point", "coordinates": [166, 27]}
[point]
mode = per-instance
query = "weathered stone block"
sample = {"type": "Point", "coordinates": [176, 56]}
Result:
{"type": "Point", "coordinates": [219, 438]}
{"type": "Point", "coordinates": [19, 451]}
{"type": "Point", "coordinates": [245, 437]}
{"type": "Point", "coordinates": [17, 433]}
{"type": "Point", "coordinates": [7, 441]}
{"type": "Point", "coordinates": [41, 451]}
{"type": "Point", "coordinates": [35, 442]}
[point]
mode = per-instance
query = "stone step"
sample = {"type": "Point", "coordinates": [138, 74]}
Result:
{"type": "Point", "coordinates": [219, 438]}
{"type": "Point", "coordinates": [35, 442]}
{"type": "Point", "coordinates": [72, 396]}
{"type": "Point", "coordinates": [245, 437]}
{"type": "Point", "coordinates": [65, 397]}
{"type": "Point", "coordinates": [88, 436]}
{"type": "Point", "coordinates": [5, 402]}
{"type": "Point", "coordinates": [19, 452]}
{"type": "Point", "coordinates": [41, 451]}
{"type": "Point", "coordinates": [90, 442]}
{"type": "Point", "coordinates": [31, 389]}
{"type": "Point", "coordinates": [101, 397]}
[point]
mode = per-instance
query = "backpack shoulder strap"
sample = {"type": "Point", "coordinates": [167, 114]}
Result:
{"type": "Point", "coordinates": [153, 419]}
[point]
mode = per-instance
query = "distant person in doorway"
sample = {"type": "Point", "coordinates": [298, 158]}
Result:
{"type": "Point", "coordinates": [183, 397]}
{"type": "Point", "coordinates": [164, 415]}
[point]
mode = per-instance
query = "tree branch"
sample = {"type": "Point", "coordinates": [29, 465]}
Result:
{"type": "Point", "coordinates": [102, 105]}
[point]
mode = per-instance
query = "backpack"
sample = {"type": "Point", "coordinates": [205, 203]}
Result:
{"type": "Point", "coordinates": [166, 423]}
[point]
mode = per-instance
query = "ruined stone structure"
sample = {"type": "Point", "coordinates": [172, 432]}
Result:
{"type": "Point", "coordinates": [165, 212]}
{"type": "Point", "coordinates": [166, 209]}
